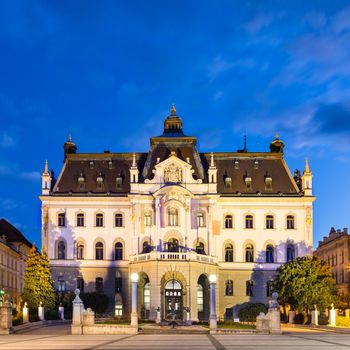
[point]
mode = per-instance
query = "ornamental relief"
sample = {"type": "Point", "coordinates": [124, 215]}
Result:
{"type": "Point", "coordinates": [173, 173]}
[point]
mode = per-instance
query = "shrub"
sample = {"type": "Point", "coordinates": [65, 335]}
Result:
{"type": "Point", "coordinates": [17, 319]}
{"type": "Point", "coordinates": [300, 319]}
{"type": "Point", "coordinates": [342, 321]}
{"type": "Point", "coordinates": [250, 312]}
{"type": "Point", "coordinates": [51, 315]}
{"type": "Point", "coordinates": [322, 319]}
{"type": "Point", "coordinates": [33, 315]}
{"type": "Point", "coordinates": [98, 302]}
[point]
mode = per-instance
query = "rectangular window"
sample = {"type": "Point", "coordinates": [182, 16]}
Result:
{"type": "Point", "coordinates": [80, 220]}
{"type": "Point", "coordinates": [99, 220]}
{"type": "Point", "coordinates": [269, 222]}
{"type": "Point", "coordinates": [99, 284]}
{"type": "Point", "coordinates": [61, 219]}
{"type": "Point", "coordinates": [249, 221]}
{"type": "Point", "coordinates": [249, 289]}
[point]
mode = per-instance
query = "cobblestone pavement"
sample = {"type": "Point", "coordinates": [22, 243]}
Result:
{"type": "Point", "coordinates": [56, 337]}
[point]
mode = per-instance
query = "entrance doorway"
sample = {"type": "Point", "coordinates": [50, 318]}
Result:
{"type": "Point", "coordinates": [173, 300]}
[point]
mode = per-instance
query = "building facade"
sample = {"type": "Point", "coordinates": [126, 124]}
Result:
{"type": "Point", "coordinates": [175, 216]}
{"type": "Point", "coordinates": [14, 250]}
{"type": "Point", "coordinates": [335, 250]}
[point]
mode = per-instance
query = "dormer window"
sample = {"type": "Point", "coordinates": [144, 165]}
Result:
{"type": "Point", "coordinates": [228, 182]}
{"type": "Point", "coordinates": [99, 181]}
{"type": "Point", "coordinates": [81, 181]}
{"type": "Point", "coordinates": [248, 182]}
{"type": "Point", "coordinates": [236, 164]}
{"type": "Point", "coordinates": [256, 164]}
{"type": "Point", "coordinates": [91, 165]}
{"type": "Point", "coordinates": [119, 182]}
{"type": "Point", "coordinates": [268, 182]}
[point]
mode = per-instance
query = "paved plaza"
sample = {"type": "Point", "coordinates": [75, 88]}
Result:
{"type": "Point", "coordinates": [58, 337]}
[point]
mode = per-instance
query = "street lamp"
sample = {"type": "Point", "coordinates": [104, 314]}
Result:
{"type": "Point", "coordinates": [134, 277]}
{"type": "Point", "coordinates": [212, 278]}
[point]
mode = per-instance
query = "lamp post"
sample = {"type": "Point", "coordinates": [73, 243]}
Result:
{"type": "Point", "coordinates": [134, 280]}
{"type": "Point", "coordinates": [212, 319]}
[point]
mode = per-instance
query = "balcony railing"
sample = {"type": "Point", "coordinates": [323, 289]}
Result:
{"type": "Point", "coordinates": [178, 256]}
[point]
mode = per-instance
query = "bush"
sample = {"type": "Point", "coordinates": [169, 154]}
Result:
{"type": "Point", "coordinates": [300, 319]}
{"type": "Point", "coordinates": [51, 315]}
{"type": "Point", "coordinates": [323, 319]}
{"type": "Point", "coordinates": [33, 315]}
{"type": "Point", "coordinates": [17, 319]}
{"type": "Point", "coordinates": [67, 300]}
{"type": "Point", "coordinates": [98, 302]}
{"type": "Point", "coordinates": [250, 312]}
{"type": "Point", "coordinates": [342, 321]}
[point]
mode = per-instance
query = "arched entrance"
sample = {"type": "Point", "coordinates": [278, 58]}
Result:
{"type": "Point", "coordinates": [203, 298]}
{"type": "Point", "coordinates": [173, 300]}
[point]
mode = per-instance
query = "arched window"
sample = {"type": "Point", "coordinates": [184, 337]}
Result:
{"type": "Point", "coordinates": [200, 219]}
{"type": "Point", "coordinates": [228, 221]}
{"type": "Point", "coordinates": [61, 219]}
{"type": "Point", "coordinates": [61, 250]}
{"type": "Point", "coordinates": [228, 252]}
{"type": "Point", "coordinates": [200, 298]}
{"type": "Point", "coordinates": [146, 247]}
{"type": "Point", "coordinates": [291, 253]}
{"type": "Point", "coordinates": [99, 284]}
{"type": "Point", "coordinates": [118, 220]}
{"type": "Point", "coordinates": [173, 217]}
{"type": "Point", "coordinates": [80, 220]}
{"type": "Point", "coordinates": [269, 254]}
{"type": "Point", "coordinates": [99, 251]}
{"type": "Point", "coordinates": [249, 253]}
{"type": "Point", "coordinates": [99, 220]}
{"type": "Point", "coordinates": [118, 251]}
{"type": "Point", "coordinates": [249, 223]}
{"type": "Point", "coordinates": [290, 222]}
{"type": "Point", "coordinates": [269, 222]}
{"type": "Point", "coordinates": [80, 250]}
{"type": "Point", "coordinates": [148, 219]}
{"type": "Point", "coordinates": [200, 248]}
{"type": "Point", "coordinates": [229, 288]}
{"type": "Point", "coordinates": [80, 283]}
{"type": "Point", "coordinates": [147, 296]}
{"type": "Point", "coordinates": [249, 290]}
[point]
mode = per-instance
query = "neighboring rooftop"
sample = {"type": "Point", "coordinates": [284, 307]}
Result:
{"type": "Point", "coordinates": [12, 234]}
{"type": "Point", "coordinates": [333, 235]}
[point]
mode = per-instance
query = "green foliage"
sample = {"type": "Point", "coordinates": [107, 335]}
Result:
{"type": "Point", "coordinates": [250, 312]}
{"type": "Point", "coordinates": [38, 283]}
{"type": "Point", "coordinates": [67, 300]}
{"type": "Point", "coordinates": [51, 315]}
{"type": "Point", "coordinates": [342, 321]}
{"type": "Point", "coordinates": [17, 319]}
{"type": "Point", "coordinates": [33, 315]}
{"type": "Point", "coordinates": [305, 282]}
{"type": "Point", "coordinates": [98, 302]}
{"type": "Point", "coordinates": [342, 301]}
{"type": "Point", "coordinates": [323, 319]}
{"type": "Point", "coordinates": [300, 318]}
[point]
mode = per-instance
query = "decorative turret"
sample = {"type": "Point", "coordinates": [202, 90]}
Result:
{"type": "Point", "coordinates": [277, 145]}
{"type": "Point", "coordinates": [134, 171]}
{"type": "Point", "coordinates": [212, 171]}
{"type": "Point", "coordinates": [173, 124]}
{"type": "Point", "coordinates": [69, 147]}
{"type": "Point", "coordinates": [46, 180]}
{"type": "Point", "coordinates": [307, 180]}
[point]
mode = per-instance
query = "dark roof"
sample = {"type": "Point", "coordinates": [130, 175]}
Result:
{"type": "Point", "coordinates": [12, 234]}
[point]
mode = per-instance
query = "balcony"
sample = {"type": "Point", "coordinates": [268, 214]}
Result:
{"type": "Point", "coordinates": [174, 256]}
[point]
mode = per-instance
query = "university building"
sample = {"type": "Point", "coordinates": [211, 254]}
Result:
{"type": "Point", "coordinates": [335, 250]}
{"type": "Point", "coordinates": [175, 216]}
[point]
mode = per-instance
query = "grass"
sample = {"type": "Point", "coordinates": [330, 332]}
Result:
{"type": "Point", "coordinates": [236, 325]}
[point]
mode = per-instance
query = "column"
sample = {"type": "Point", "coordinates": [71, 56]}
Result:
{"type": "Point", "coordinates": [212, 321]}
{"type": "Point", "coordinates": [134, 282]}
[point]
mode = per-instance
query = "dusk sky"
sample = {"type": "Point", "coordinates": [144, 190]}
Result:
{"type": "Point", "coordinates": [108, 71]}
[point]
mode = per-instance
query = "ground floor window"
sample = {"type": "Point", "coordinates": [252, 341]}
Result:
{"type": "Point", "coordinates": [147, 296]}
{"type": "Point", "coordinates": [119, 310]}
{"type": "Point", "coordinates": [200, 298]}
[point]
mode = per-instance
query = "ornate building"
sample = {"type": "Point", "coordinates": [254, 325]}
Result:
{"type": "Point", "coordinates": [335, 250]}
{"type": "Point", "coordinates": [14, 250]}
{"type": "Point", "coordinates": [175, 216]}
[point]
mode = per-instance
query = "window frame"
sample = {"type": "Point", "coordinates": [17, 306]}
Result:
{"type": "Point", "coordinates": [118, 220]}
{"type": "Point", "coordinates": [268, 219]}
{"type": "Point", "coordinates": [228, 221]}
{"type": "Point", "coordinates": [98, 249]}
{"type": "Point", "coordinates": [61, 216]}
{"type": "Point", "coordinates": [99, 220]}
{"type": "Point", "coordinates": [80, 216]}
{"type": "Point", "coordinates": [249, 218]}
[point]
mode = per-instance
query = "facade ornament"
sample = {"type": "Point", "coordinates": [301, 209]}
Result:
{"type": "Point", "coordinates": [172, 173]}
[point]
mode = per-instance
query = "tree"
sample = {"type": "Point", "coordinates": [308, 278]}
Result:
{"type": "Point", "coordinates": [38, 283]}
{"type": "Point", "coordinates": [305, 282]}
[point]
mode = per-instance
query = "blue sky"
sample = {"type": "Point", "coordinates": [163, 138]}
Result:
{"type": "Point", "coordinates": [107, 72]}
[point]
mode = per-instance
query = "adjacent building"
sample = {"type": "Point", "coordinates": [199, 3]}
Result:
{"type": "Point", "coordinates": [14, 250]}
{"type": "Point", "coordinates": [175, 216]}
{"type": "Point", "coordinates": [335, 250]}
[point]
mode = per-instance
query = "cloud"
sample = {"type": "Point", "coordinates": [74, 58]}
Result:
{"type": "Point", "coordinates": [258, 23]}
{"type": "Point", "coordinates": [341, 20]}
{"type": "Point", "coordinates": [210, 139]}
{"type": "Point", "coordinates": [316, 20]}
{"type": "Point", "coordinates": [6, 141]}
{"type": "Point", "coordinates": [31, 175]}
{"type": "Point", "coordinates": [8, 204]}
{"type": "Point", "coordinates": [217, 67]}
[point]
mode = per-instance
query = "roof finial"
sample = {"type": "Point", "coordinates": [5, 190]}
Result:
{"type": "Point", "coordinates": [276, 136]}
{"type": "Point", "coordinates": [173, 110]}
{"type": "Point", "coordinates": [134, 159]}
{"type": "Point", "coordinates": [46, 170]}
{"type": "Point", "coordinates": [70, 137]}
{"type": "Point", "coordinates": [245, 143]}
{"type": "Point", "coordinates": [212, 159]}
{"type": "Point", "coordinates": [307, 167]}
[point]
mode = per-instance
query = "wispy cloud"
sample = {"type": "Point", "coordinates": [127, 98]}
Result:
{"type": "Point", "coordinates": [259, 22]}
{"type": "Point", "coordinates": [7, 141]}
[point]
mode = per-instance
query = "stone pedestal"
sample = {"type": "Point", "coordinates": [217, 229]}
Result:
{"type": "Point", "coordinates": [41, 312]}
{"type": "Point", "coordinates": [263, 322]}
{"type": "Point", "coordinates": [158, 319]}
{"type": "Point", "coordinates": [275, 317]}
{"type": "Point", "coordinates": [314, 317]}
{"type": "Point", "coordinates": [61, 312]}
{"type": "Point", "coordinates": [213, 320]}
{"type": "Point", "coordinates": [6, 318]}
{"type": "Point", "coordinates": [291, 317]}
{"type": "Point", "coordinates": [88, 317]}
{"type": "Point", "coordinates": [332, 318]}
{"type": "Point", "coordinates": [77, 318]}
{"type": "Point", "coordinates": [25, 313]}
{"type": "Point", "coordinates": [188, 318]}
